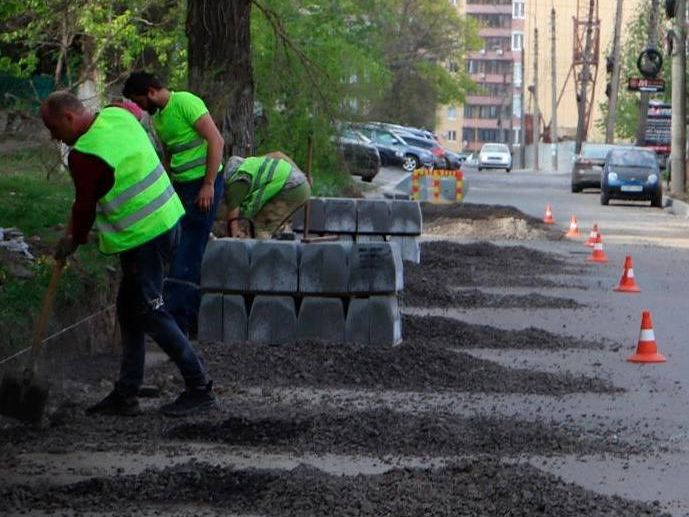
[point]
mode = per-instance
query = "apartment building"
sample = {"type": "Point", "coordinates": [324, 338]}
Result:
{"type": "Point", "coordinates": [504, 69]}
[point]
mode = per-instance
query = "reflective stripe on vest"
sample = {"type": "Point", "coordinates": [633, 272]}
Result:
{"type": "Point", "coordinates": [268, 177]}
{"type": "Point", "coordinates": [257, 204]}
{"type": "Point", "coordinates": [110, 207]}
{"type": "Point", "coordinates": [128, 221]}
{"type": "Point", "coordinates": [189, 165]}
{"type": "Point", "coordinates": [185, 147]}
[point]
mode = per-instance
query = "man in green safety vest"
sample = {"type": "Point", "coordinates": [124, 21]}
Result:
{"type": "Point", "coordinates": [265, 190]}
{"type": "Point", "coordinates": [122, 186]}
{"type": "Point", "coordinates": [193, 149]}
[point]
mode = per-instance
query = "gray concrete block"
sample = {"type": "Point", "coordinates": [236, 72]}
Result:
{"type": "Point", "coordinates": [375, 267]}
{"type": "Point", "coordinates": [409, 247]}
{"type": "Point", "coordinates": [225, 265]}
{"type": "Point", "coordinates": [272, 320]}
{"type": "Point", "coordinates": [235, 319]}
{"type": "Point", "coordinates": [405, 217]}
{"type": "Point", "coordinates": [385, 320]}
{"type": "Point", "coordinates": [370, 238]}
{"type": "Point", "coordinates": [340, 215]}
{"type": "Point", "coordinates": [274, 267]}
{"type": "Point", "coordinates": [316, 216]}
{"type": "Point", "coordinates": [373, 216]}
{"type": "Point", "coordinates": [324, 267]}
{"type": "Point", "coordinates": [321, 318]}
{"type": "Point", "coordinates": [210, 325]}
{"type": "Point", "coordinates": [358, 322]}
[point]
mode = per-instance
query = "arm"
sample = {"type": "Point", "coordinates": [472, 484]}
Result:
{"type": "Point", "coordinates": [235, 192]}
{"type": "Point", "coordinates": [207, 129]}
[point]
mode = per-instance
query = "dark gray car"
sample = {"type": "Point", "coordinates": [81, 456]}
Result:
{"type": "Point", "coordinates": [588, 165]}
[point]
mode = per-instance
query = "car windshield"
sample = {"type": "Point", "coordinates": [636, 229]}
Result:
{"type": "Point", "coordinates": [355, 135]}
{"type": "Point", "coordinates": [419, 142]}
{"type": "Point", "coordinates": [595, 152]}
{"type": "Point", "coordinates": [494, 148]}
{"type": "Point", "coordinates": [632, 158]}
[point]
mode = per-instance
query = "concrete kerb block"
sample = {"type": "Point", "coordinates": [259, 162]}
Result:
{"type": "Point", "coordinates": [272, 320]}
{"type": "Point", "coordinates": [375, 268]}
{"type": "Point", "coordinates": [405, 217]}
{"type": "Point", "coordinates": [210, 325]}
{"type": "Point", "coordinates": [385, 320]}
{"type": "Point", "coordinates": [358, 322]}
{"type": "Point", "coordinates": [225, 265]}
{"type": "Point", "coordinates": [316, 216]}
{"type": "Point", "coordinates": [373, 216]}
{"type": "Point", "coordinates": [324, 267]}
{"type": "Point", "coordinates": [370, 238]}
{"type": "Point", "coordinates": [408, 246]}
{"type": "Point", "coordinates": [321, 318]}
{"type": "Point", "coordinates": [235, 319]}
{"type": "Point", "coordinates": [274, 267]}
{"type": "Point", "coordinates": [340, 215]}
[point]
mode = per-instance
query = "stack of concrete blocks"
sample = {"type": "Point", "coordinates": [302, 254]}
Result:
{"type": "Point", "coordinates": [366, 220]}
{"type": "Point", "coordinates": [276, 292]}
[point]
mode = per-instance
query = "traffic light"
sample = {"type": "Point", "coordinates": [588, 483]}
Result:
{"type": "Point", "coordinates": [670, 8]}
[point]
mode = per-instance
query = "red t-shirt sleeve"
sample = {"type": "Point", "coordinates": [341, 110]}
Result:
{"type": "Point", "coordinates": [93, 178]}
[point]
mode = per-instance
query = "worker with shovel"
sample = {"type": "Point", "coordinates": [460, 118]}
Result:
{"type": "Point", "coordinates": [122, 186]}
{"type": "Point", "coordinates": [193, 149]}
{"type": "Point", "coordinates": [266, 190]}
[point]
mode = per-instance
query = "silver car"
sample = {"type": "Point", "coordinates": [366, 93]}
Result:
{"type": "Point", "coordinates": [495, 156]}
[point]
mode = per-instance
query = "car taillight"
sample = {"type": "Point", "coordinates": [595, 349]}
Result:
{"type": "Point", "coordinates": [438, 151]}
{"type": "Point", "coordinates": [584, 161]}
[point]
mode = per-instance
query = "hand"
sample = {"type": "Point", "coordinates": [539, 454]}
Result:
{"type": "Point", "coordinates": [205, 198]}
{"type": "Point", "coordinates": [65, 247]}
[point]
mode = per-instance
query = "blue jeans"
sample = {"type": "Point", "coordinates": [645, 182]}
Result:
{"type": "Point", "coordinates": [182, 295]}
{"type": "Point", "coordinates": [141, 310]}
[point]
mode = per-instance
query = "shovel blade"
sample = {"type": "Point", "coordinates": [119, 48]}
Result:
{"type": "Point", "coordinates": [23, 398]}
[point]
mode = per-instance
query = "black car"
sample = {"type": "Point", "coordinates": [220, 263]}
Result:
{"type": "Point", "coordinates": [631, 174]}
{"type": "Point", "coordinates": [430, 145]}
{"type": "Point", "coordinates": [358, 155]}
{"type": "Point", "coordinates": [413, 156]}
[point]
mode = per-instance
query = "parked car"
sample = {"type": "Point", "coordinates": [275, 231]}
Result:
{"type": "Point", "coordinates": [588, 165]}
{"type": "Point", "coordinates": [358, 155]}
{"type": "Point", "coordinates": [495, 156]}
{"type": "Point", "coordinates": [631, 173]}
{"type": "Point", "coordinates": [430, 145]}
{"type": "Point", "coordinates": [413, 156]}
{"type": "Point", "coordinates": [463, 156]}
{"type": "Point", "coordinates": [390, 148]}
{"type": "Point", "coordinates": [471, 161]}
{"type": "Point", "coordinates": [453, 160]}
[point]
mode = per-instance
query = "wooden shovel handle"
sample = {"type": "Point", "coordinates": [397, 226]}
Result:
{"type": "Point", "coordinates": [47, 306]}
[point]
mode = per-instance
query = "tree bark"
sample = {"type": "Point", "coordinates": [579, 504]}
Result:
{"type": "Point", "coordinates": [220, 72]}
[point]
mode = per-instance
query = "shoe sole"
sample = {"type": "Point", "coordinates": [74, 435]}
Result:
{"type": "Point", "coordinates": [196, 409]}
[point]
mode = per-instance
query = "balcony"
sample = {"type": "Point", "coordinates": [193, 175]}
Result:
{"type": "Point", "coordinates": [493, 55]}
{"type": "Point", "coordinates": [481, 123]}
{"type": "Point", "coordinates": [495, 32]}
{"type": "Point", "coordinates": [487, 100]}
{"type": "Point", "coordinates": [492, 78]}
{"type": "Point", "coordinates": [488, 9]}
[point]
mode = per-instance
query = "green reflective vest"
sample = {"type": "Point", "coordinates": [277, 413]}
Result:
{"type": "Point", "coordinates": [142, 203]}
{"type": "Point", "coordinates": [268, 176]}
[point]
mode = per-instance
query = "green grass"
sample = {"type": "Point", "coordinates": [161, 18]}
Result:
{"type": "Point", "coordinates": [36, 205]}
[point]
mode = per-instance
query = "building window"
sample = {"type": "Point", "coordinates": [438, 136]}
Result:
{"type": "Point", "coordinates": [452, 135]}
{"type": "Point", "coordinates": [452, 113]}
{"type": "Point", "coordinates": [518, 10]}
{"type": "Point", "coordinates": [516, 105]}
{"type": "Point", "coordinates": [517, 41]}
{"type": "Point", "coordinates": [517, 74]}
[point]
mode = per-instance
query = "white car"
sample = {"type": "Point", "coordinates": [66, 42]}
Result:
{"type": "Point", "coordinates": [495, 156]}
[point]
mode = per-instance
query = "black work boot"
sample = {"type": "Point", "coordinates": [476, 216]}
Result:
{"type": "Point", "coordinates": [192, 400]}
{"type": "Point", "coordinates": [116, 404]}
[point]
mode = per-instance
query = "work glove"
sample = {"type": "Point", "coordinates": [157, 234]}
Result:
{"type": "Point", "coordinates": [65, 247]}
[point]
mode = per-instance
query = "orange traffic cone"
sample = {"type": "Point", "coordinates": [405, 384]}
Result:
{"type": "Point", "coordinates": [548, 219]}
{"type": "Point", "coordinates": [647, 349]}
{"type": "Point", "coordinates": [592, 236]}
{"type": "Point", "coordinates": [627, 282]}
{"type": "Point", "coordinates": [597, 254]}
{"type": "Point", "coordinates": [573, 228]}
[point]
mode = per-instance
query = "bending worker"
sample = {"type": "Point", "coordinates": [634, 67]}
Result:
{"type": "Point", "coordinates": [121, 184]}
{"type": "Point", "coordinates": [193, 149]}
{"type": "Point", "coordinates": [266, 190]}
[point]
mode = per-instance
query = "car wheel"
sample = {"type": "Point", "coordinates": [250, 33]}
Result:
{"type": "Point", "coordinates": [576, 188]}
{"type": "Point", "coordinates": [604, 198]}
{"type": "Point", "coordinates": [480, 169]}
{"type": "Point", "coordinates": [410, 163]}
{"type": "Point", "coordinates": [657, 200]}
{"type": "Point", "coordinates": [508, 170]}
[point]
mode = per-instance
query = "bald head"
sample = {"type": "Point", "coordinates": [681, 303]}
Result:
{"type": "Point", "coordinates": [65, 116]}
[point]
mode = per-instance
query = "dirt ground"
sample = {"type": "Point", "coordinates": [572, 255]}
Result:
{"type": "Point", "coordinates": [330, 429]}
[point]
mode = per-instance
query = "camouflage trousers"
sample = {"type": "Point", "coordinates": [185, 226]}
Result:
{"type": "Point", "coordinates": [279, 209]}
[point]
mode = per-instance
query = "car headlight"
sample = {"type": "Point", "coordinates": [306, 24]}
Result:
{"type": "Point", "coordinates": [612, 176]}
{"type": "Point", "coordinates": [652, 178]}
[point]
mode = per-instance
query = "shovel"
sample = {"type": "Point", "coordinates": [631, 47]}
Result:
{"type": "Point", "coordinates": [24, 397]}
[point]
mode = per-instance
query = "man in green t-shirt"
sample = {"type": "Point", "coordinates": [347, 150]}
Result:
{"type": "Point", "coordinates": [265, 190]}
{"type": "Point", "coordinates": [193, 148]}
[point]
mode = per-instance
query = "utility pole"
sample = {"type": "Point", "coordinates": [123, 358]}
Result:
{"type": "Point", "coordinates": [585, 71]}
{"type": "Point", "coordinates": [536, 124]}
{"type": "Point", "coordinates": [615, 82]}
{"type": "Point", "coordinates": [553, 91]}
{"type": "Point", "coordinates": [679, 102]}
{"type": "Point", "coordinates": [522, 121]}
{"type": "Point", "coordinates": [652, 43]}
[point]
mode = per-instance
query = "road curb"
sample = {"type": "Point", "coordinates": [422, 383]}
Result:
{"type": "Point", "coordinates": [675, 206]}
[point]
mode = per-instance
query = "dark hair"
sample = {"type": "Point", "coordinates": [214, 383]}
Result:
{"type": "Point", "coordinates": [139, 82]}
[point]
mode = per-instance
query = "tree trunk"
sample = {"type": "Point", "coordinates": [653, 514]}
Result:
{"type": "Point", "coordinates": [220, 70]}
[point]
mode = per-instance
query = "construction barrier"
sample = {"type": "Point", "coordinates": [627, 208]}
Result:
{"type": "Point", "coordinates": [418, 193]}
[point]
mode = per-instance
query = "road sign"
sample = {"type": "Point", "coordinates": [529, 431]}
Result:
{"type": "Point", "coordinates": [638, 84]}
